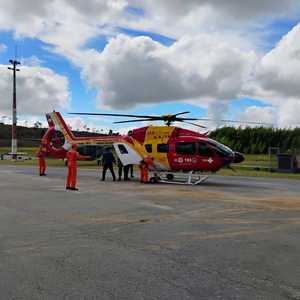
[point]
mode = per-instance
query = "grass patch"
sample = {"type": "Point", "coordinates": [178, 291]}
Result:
{"type": "Point", "coordinates": [257, 158]}
{"type": "Point", "coordinates": [260, 173]}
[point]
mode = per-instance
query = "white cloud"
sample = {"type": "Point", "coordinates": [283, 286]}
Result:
{"type": "Point", "coordinates": [176, 17]}
{"type": "Point", "coordinates": [91, 124]}
{"type": "Point", "coordinates": [277, 76]}
{"type": "Point", "coordinates": [264, 114]}
{"type": "Point", "coordinates": [63, 23]}
{"type": "Point", "coordinates": [3, 48]}
{"type": "Point", "coordinates": [31, 121]}
{"type": "Point", "coordinates": [76, 123]}
{"type": "Point", "coordinates": [246, 10]}
{"type": "Point", "coordinates": [278, 72]}
{"type": "Point", "coordinates": [288, 113]}
{"type": "Point", "coordinates": [32, 61]}
{"type": "Point", "coordinates": [25, 17]}
{"type": "Point", "coordinates": [39, 90]}
{"type": "Point", "coordinates": [26, 121]}
{"type": "Point", "coordinates": [70, 23]}
{"type": "Point", "coordinates": [201, 69]}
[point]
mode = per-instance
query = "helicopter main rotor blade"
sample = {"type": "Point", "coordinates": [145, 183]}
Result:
{"type": "Point", "coordinates": [132, 121]}
{"type": "Point", "coordinates": [235, 121]}
{"type": "Point", "coordinates": [182, 113]}
{"type": "Point", "coordinates": [115, 115]}
{"type": "Point", "coordinates": [170, 118]}
{"type": "Point", "coordinates": [187, 119]}
{"type": "Point", "coordinates": [151, 117]}
{"type": "Point", "coordinates": [247, 122]}
{"type": "Point", "coordinates": [194, 124]}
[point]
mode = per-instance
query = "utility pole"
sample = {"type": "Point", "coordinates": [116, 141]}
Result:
{"type": "Point", "coordinates": [14, 110]}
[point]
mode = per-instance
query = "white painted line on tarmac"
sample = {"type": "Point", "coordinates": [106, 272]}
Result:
{"type": "Point", "coordinates": [152, 205]}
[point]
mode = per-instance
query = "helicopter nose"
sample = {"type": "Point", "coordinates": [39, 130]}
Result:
{"type": "Point", "coordinates": [238, 157]}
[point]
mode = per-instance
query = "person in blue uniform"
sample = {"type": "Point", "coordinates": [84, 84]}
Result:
{"type": "Point", "coordinates": [108, 160]}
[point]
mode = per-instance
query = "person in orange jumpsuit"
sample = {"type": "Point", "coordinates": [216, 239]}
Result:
{"type": "Point", "coordinates": [72, 157]}
{"type": "Point", "coordinates": [145, 164]}
{"type": "Point", "coordinates": [42, 162]}
{"type": "Point", "coordinates": [144, 172]}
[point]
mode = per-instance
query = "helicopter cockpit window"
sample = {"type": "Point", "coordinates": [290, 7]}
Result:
{"type": "Point", "coordinates": [204, 150]}
{"type": "Point", "coordinates": [122, 149]}
{"type": "Point", "coordinates": [220, 148]}
{"type": "Point", "coordinates": [148, 148]}
{"type": "Point", "coordinates": [185, 148]}
{"type": "Point", "coordinates": [162, 148]}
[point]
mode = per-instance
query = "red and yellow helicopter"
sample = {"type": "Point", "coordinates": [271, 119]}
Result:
{"type": "Point", "coordinates": [172, 150]}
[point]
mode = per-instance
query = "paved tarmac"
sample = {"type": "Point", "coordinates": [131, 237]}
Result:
{"type": "Point", "coordinates": [230, 238]}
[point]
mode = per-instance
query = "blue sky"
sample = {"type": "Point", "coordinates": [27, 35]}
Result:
{"type": "Point", "coordinates": [82, 96]}
{"type": "Point", "coordinates": [276, 30]}
{"type": "Point", "coordinates": [86, 94]}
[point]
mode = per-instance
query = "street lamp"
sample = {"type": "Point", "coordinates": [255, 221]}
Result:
{"type": "Point", "coordinates": [14, 110]}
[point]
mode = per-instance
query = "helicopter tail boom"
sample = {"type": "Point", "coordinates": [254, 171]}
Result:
{"type": "Point", "coordinates": [70, 138]}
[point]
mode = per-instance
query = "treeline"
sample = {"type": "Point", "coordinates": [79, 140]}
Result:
{"type": "Point", "coordinates": [30, 136]}
{"type": "Point", "coordinates": [257, 140]}
{"type": "Point", "coordinates": [26, 136]}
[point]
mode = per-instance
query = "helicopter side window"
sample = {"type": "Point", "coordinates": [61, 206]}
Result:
{"type": "Point", "coordinates": [122, 149]}
{"type": "Point", "coordinates": [204, 150]}
{"type": "Point", "coordinates": [162, 148]}
{"type": "Point", "coordinates": [185, 148]}
{"type": "Point", "coordinates": [148, 148]}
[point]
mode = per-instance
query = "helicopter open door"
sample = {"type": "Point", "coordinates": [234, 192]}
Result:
{"type": "Point", "coordinates": [126, 154]}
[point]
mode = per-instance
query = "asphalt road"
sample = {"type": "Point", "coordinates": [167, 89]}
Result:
{"type": "Point", "coordinates": [230, 238]}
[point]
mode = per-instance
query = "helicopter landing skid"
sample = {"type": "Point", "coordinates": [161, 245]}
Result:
{"type": "Point", "coordinates": [190, 178]}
